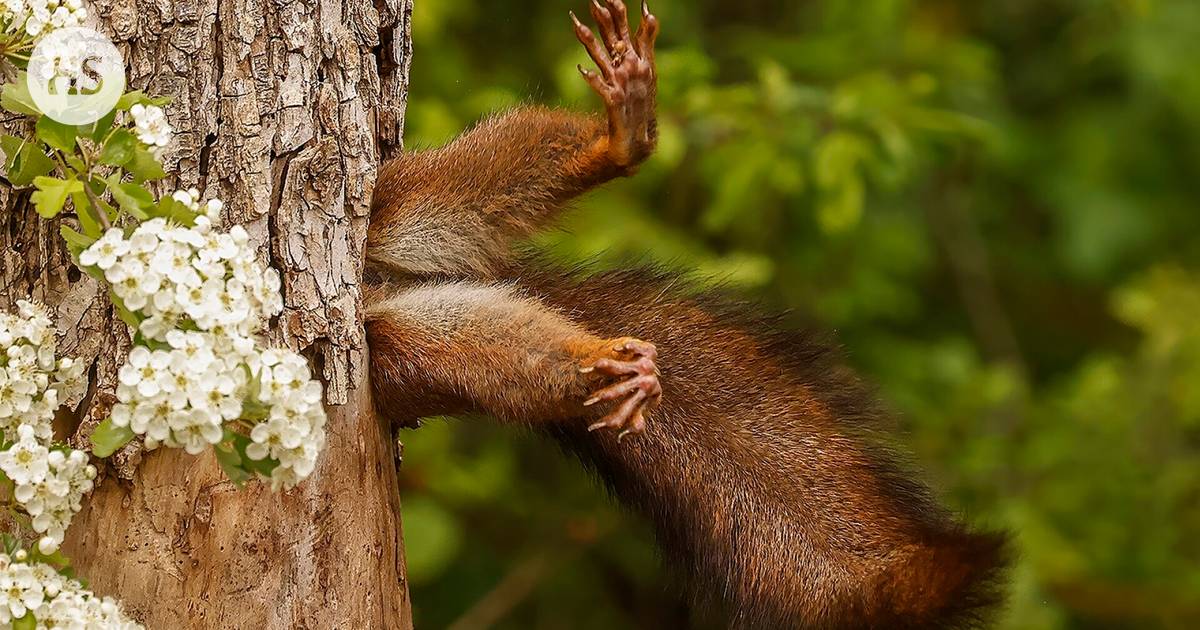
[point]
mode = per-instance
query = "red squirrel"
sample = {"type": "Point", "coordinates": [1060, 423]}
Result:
{"type": "Point", "coordinates": [748, 447]}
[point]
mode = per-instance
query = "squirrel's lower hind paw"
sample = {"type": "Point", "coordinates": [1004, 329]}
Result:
{"type": "Point", "coordinates": [638, 388]}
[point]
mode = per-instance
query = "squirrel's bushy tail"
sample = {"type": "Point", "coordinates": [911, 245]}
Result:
{"type": "Point", "coordinates": [947, 583]}
{"type": "Point", "coordinates": [764, 472]}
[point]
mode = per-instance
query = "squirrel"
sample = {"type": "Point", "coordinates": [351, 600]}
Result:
{"type": "Point", "coordinates": [748, 447]}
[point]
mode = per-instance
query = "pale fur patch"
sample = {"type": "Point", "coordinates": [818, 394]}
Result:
{"type": "Point", "coordinates": [447, 307]}
{"type": "Point", "coordinates": [422, 243]}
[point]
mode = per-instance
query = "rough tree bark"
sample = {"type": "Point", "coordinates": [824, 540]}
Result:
{"type": "Point", "coordinates": [282, 108]}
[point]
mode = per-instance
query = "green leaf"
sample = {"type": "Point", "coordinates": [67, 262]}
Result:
{"type": "Point", "coordinates": [262, 467]}
{"type": "Point", "coordinates": [133, 97]}
{"type": "Point", "coordinates": [98, 187]}
{"type": "Point", "coordinates": [97, 130]}
{"type": "Point", "coordinates": [52, 193]}
{"type": "Point", "coordinates": [15, 97]}
{"type": "Point", "coordinates": [174, 211]}
{"type": "Point", "coordinates": [132, 198]}
{"type": "Point", "coordinates": [28, 622]}
{"type": "Point", "coordinates": [11, 145]}
{"type": "Point", "coordinates": [76, 242]}
{"type": "Point", "coordinates": [119, 148]}
{"type": "Point", "coordinates": [141, 340]}
{"type": "Point", "coordinates": [107, 438]}
{"type": "Point", "coordinates": [255, 410]}
{"type": "Point", "coordinates": [131, 319]}
{"type": "Point", "coordinates": [56, 559]}
{"type": "Point", "coordinates": [129, 99]}
{"type": "Point", "coordinates": [31, 162]}
{"type": "Point", "coordinates": [144, 166]}
{"type": "Point", "coordinates": [231, 461]}
{"type": "Point", "coordinates": [75, 163]}
{"type": "Point", "coordinates": [253, 387]}
{"type": "Point", "coordinates": [83, 211]}
{"type": "Point", "coordinates": [58, 135]}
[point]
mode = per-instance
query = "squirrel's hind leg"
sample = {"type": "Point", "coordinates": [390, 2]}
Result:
{"type": "Point", "coordinates": [454, 347]}
{"type": "Point", "coordinates": [456, 210]}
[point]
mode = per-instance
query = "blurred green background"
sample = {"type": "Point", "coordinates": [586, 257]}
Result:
{"type": "Point", "coordinates": [994, 204]}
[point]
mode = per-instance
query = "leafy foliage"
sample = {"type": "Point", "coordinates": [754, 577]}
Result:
{"type": "Point", "coordinates": [993, 203]}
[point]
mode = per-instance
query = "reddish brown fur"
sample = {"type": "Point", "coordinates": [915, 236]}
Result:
{"type": "Point", "coordinates": [470, 199]}
{"type": "Point", "coordinates": [762, 475]}
{"type": "Point", "coordinates": [761, 470]}
{"type": "Point", "coordinates": [457, 347]}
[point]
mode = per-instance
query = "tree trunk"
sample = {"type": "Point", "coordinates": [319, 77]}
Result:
{"type": "Point", "coordinates": [282, 109]}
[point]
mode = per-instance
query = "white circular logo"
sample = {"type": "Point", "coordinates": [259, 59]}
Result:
{"type": "Point", "coordinates": [76, 75]}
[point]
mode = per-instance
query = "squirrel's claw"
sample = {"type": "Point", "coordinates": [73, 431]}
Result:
{"type": "Point", "coordinates": [588, 39]}
{"type": "Point", "coordinates": [626, 80]}
{"type": "Point", "coordinates": [646, 383]}
{"type": "Point", "coordinates": [628, 416]}
{"type": "Point", "coordinates": [620, 19]}
{"type": "Point", "coordinates": [612, 23]}
{"type": "Point", "coordinates": [604, 21]}
{"type": "Point", "coordinates": [647, 34]}
{"type": "Point", "coordinates": [638, 389]}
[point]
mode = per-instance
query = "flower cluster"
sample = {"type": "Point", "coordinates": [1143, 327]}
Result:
{"type": "Point", "coordinates": [64, 65]}
{"type": "Point", "coordinates": [38, 17]}
{"type": "Point", "coordinates": [195, 275]}
{"type": "Point", "coordinates": [54, 600]}
{"type": "Point", "coordinates": [151, 126]}
{"type": "Point", "coordinates": [200, 299]}
{"type": "Point", "coordinates": [33, 382]}
{"type": "Point", "coordinates": [293, 432]}
{"type": "Point", "coordinates": [48, 483]}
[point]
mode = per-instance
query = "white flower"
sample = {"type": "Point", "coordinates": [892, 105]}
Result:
{"type": "Point", "coordinates": [189, 198]}
{"type": "Point", "coordinates": [20, 591]}
{"type": "Point", "coordinates": [104, 252]}
{"type": "Point", "coordinates": [151, 126]}
{"type": "Point", "coordinates": [190, 350]}
{"type": "Point", "coordinates": [37, 18]}
{"type": "Point", "coordinates": [212, 209]}
{"type": "Point", "coordinates": [25, 462]}
{"type": "Point", "coordinates": [33, 384]}
{"type": "Point", "coordinates": [155, 326]}
{"type": "Point", "coordinates": [294, 432]}
{"type": "Point", "coordinates": [144, 370]}
{"type": "Point", "coordinates": [174, 261]}
{"type": "Point", "coordinates": [201, 430]}
{"type": "Point", "coordinates": [65, 58]}
{"type": "Point", "coordinates": [127, 268]}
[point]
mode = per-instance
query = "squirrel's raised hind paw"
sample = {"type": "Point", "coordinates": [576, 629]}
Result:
{"type": "Point", "coordinates": [627, 80]}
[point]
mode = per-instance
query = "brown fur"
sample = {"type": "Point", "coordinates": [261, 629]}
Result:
{"type": "Point", "coordinates": [469, 200]}
{"type": "Point", "coordinates": [763, 474]}
{"type": "Point", "coordinates": [761, 470]}
{"type": "Point", "coordinates": [477, 347]}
